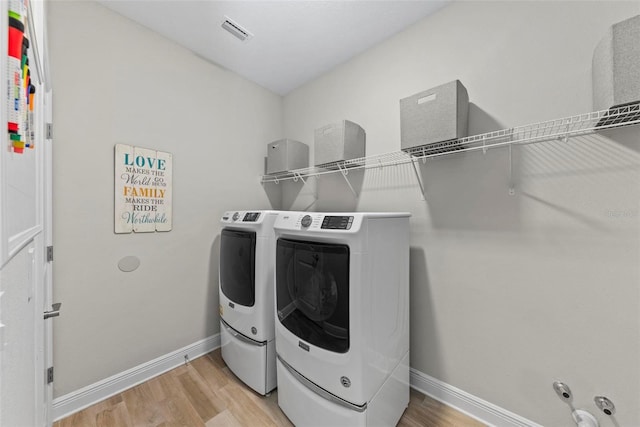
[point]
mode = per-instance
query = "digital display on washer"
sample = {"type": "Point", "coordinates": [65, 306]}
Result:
{"type": "Point", "coordinates": [251, 217]}
{"type": "Point", "coordinates": [337, 222]}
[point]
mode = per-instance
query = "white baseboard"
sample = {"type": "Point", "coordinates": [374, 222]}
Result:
{"type": "Point", "coordinates": [460, 400]}
{"type": "Point", "coordinates": [483, 411]}
{"type": "Point", "coordinates": [75, 401]}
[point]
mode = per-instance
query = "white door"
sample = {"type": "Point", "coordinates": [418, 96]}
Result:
{"type": "Point", "coordinates": [18, 381]}
{"type": "Point", "coordinates": [25, 274]}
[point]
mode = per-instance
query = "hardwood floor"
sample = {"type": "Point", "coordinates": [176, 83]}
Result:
{"type": "Point", "coordinates": [204, 393]}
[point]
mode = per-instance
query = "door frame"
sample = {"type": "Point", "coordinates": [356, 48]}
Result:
{"type": "Point", "coordinates": [48, 243]}
{"type": "Point", "coordinates": [39, 234]}
{"type": "Point", "coordinates": [47, 138]}
{"type": "Point", "coordinates": [44, 240]}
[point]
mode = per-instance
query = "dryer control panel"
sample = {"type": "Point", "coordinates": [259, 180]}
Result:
{"type": "Point", "coordinates": [240, 216]}
{"type": "Point", "coordinates": [337, 222]}
{"type": "Point", "coordinates": [251, 216]}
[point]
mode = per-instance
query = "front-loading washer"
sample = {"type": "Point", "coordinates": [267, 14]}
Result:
{"type": "Point", "coordinates": [342, 317]}
{"type": "Point", "coordinates": [246, 297]}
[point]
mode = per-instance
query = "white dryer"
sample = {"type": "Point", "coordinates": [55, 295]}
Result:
{"type": "Point", "coordinates": [246, 297]}
{"type": "Point", "coordinates": [342, 317]}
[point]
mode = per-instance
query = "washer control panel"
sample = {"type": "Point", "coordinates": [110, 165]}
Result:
{"type": "Point", "coordinates": [306, 221]}
{"type": "Point", "coordinates": [319, 222]}
{"type": "Point", "coordinates": [336, 222]}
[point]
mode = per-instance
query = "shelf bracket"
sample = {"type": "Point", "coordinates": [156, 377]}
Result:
{"type": "Point", "coordinates": [415, 169]}
{"type": "Point", "coordinates": [564, 137]}
{"type": "Point", "coordinates": [512, 190]}
{"type": "Point", "coordinates": [484, 144]}
{"type": "Point", "coordinates": [297, 176]}
{"type": "Point", "coordinates": [344, 172]}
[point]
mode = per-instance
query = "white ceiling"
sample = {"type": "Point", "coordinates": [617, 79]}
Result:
{"type": "Point", "coordinates": [293, 41]}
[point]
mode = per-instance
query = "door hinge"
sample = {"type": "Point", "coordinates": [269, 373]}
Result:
{"type": "Point", "coordinates": [49, 253]}
{"type": "Point", "coordinates": [50, 375]}
{"type": "Point", "coordinates": [49, 130]}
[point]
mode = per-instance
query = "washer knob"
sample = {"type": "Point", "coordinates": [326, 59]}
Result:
{"type": "Point", "coordinates": [235, 216]}
{"type": "Point", "coordinates": [306, 221]}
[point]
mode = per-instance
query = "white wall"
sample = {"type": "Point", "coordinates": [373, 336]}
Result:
{"type": "Point", "coordinates": [509, 293]}
{"type": "Point", "coordinates": [117, 82]}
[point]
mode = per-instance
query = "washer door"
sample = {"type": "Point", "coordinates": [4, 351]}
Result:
{"type": "Point", "coordinates": [312, 292]}
{"type": "Point", "coordinates": [238, 266]}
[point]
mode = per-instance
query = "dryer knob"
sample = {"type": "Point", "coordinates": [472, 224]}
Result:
{"type": "Point", "coordinates": [235, 216]}
{"type": "Point", "coordinates": [306, 221]}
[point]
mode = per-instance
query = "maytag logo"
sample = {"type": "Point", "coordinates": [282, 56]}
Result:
{"type": "Point", "coordinates": [303, 346]}
{"type": "Point", "coordinates": [232, 305]}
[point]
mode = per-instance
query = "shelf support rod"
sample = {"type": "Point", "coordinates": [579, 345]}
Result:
{"type": "Point", "coordinates": [565, 137]}
{"type": "Point", "coordinates": [512, 190]}
{"type": "Point", "coordinates": [344, 175]}
{"type": "Point", "coordinates": [415, 169]}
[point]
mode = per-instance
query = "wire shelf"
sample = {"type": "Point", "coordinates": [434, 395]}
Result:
{"type": "Point", "coordinates": [559, 129]}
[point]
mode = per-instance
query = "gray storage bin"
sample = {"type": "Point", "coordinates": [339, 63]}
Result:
{"type": "Point", "coordinates": [338, 142]}
{"type": "Point", "coordinates": [286, 155]}
{"type": "Point", "coordinates": [616, 66]}
{"type": "Point", "coordinates": [433, 116]}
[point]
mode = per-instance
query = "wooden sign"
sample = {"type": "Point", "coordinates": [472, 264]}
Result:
{"type": "Point", "coordinates": [142, 190]}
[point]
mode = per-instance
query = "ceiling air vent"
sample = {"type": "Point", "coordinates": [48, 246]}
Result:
{"type": "Point", "coordinates": [236, 29]}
